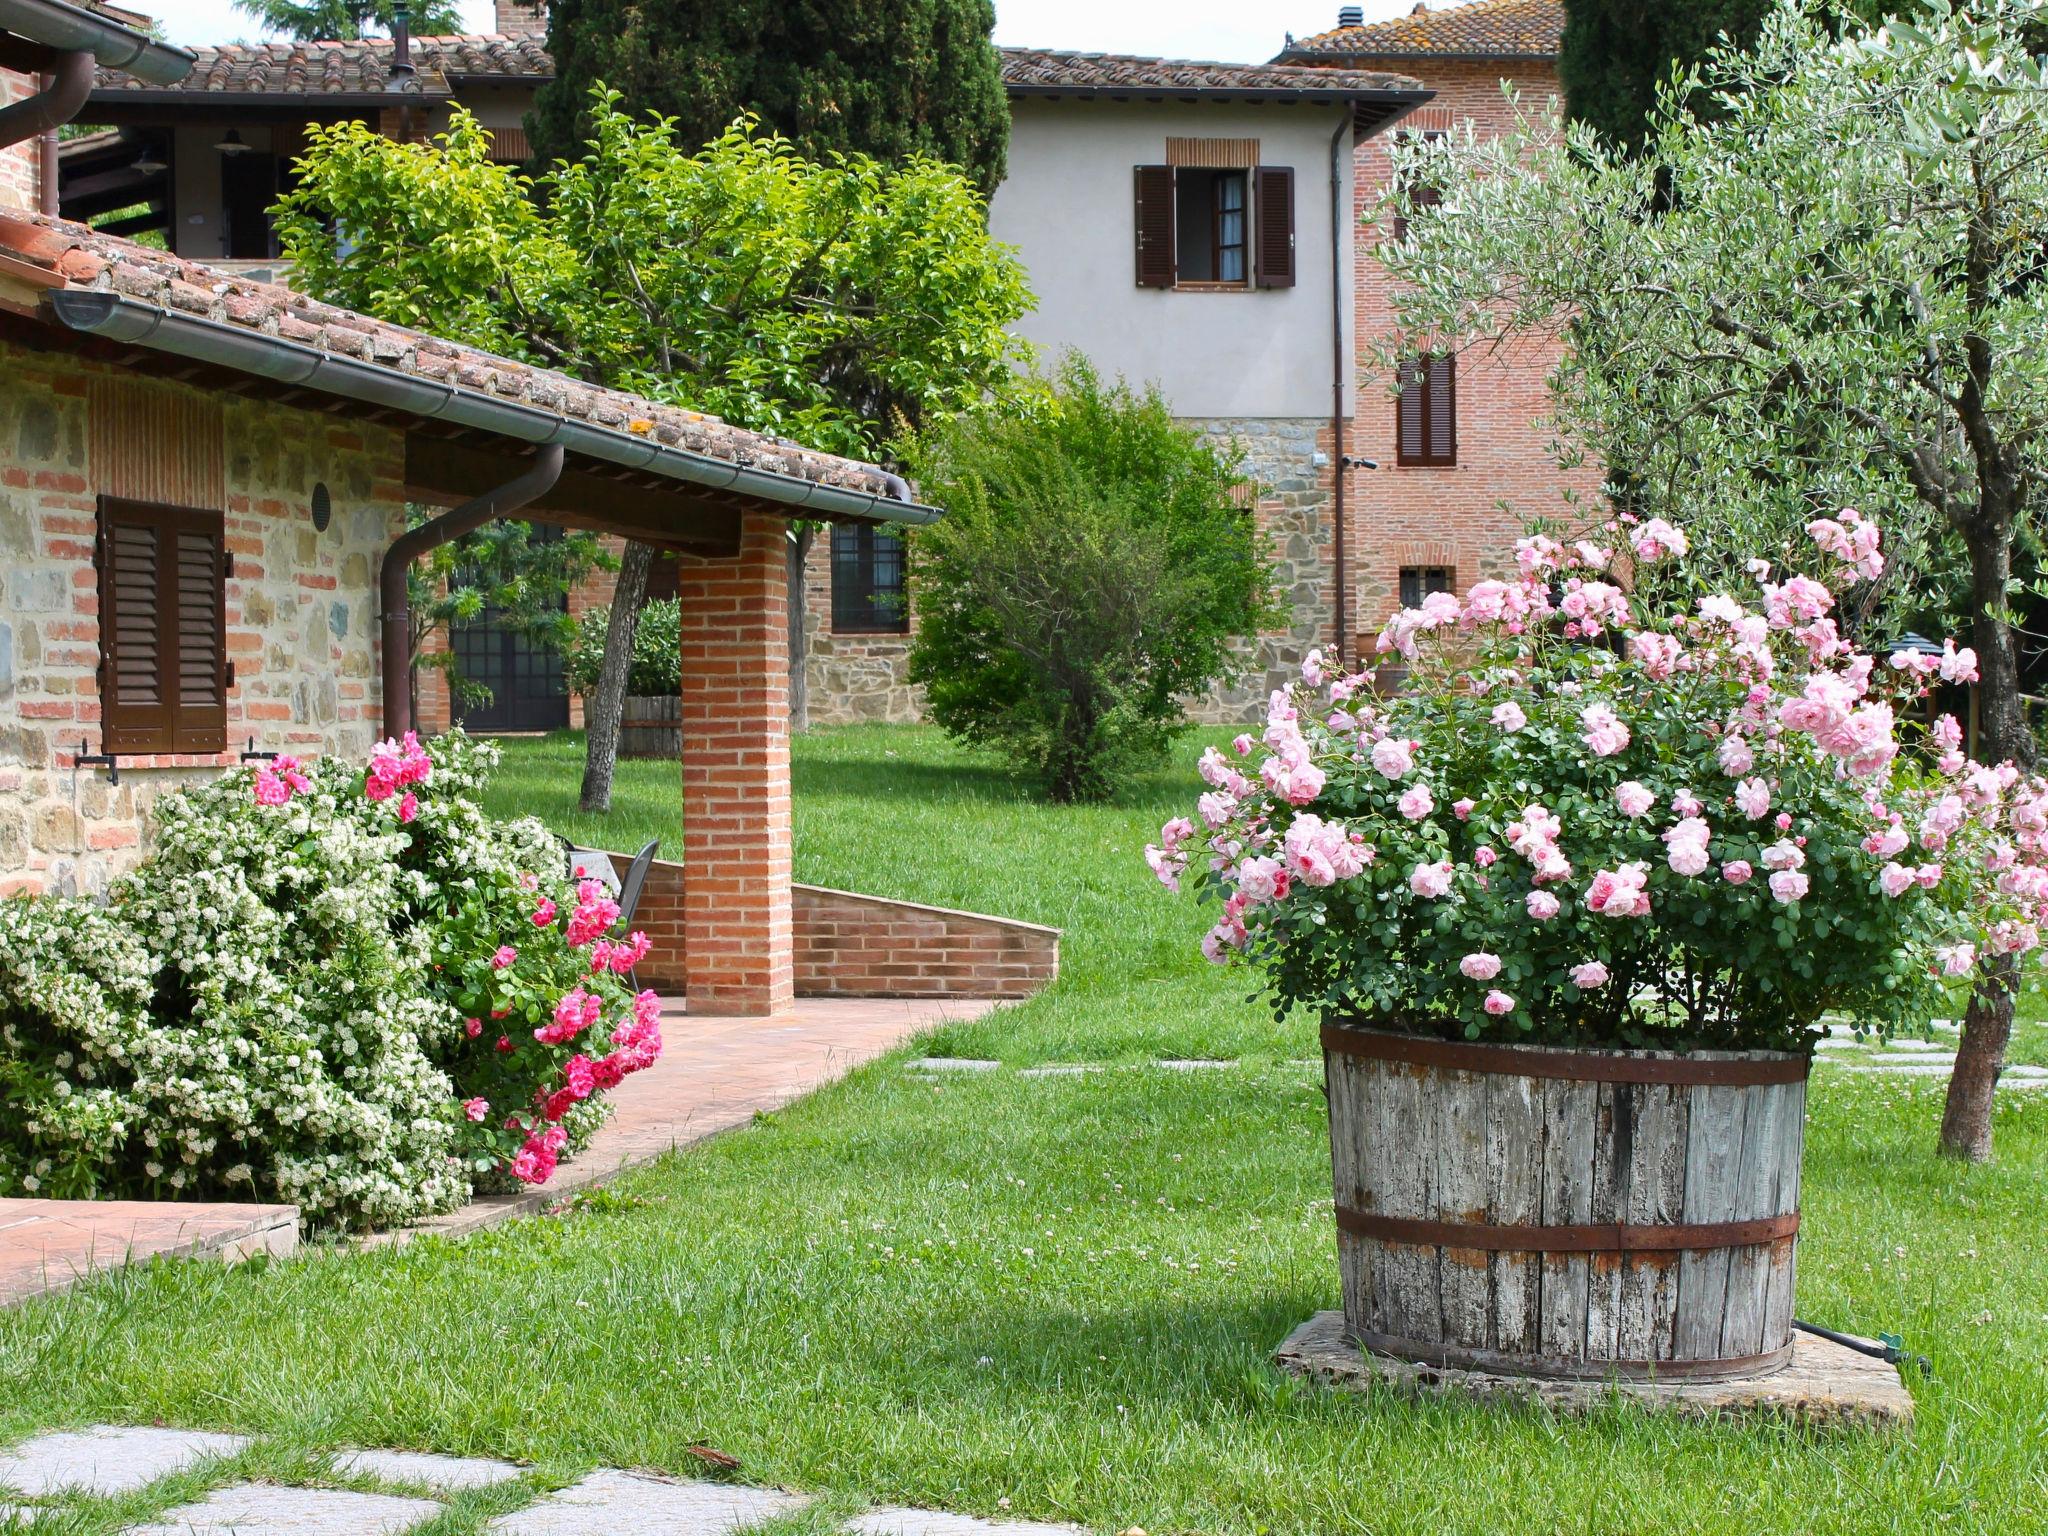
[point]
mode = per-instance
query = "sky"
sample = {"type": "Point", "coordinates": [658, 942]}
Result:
{"type": "Point", "coordinates": [1183, 29]}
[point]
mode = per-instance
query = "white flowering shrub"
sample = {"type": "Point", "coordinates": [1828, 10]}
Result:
{"type": "Point", "coordinates": [1613, 811]}
{"type": "Point", "coordinates": [351, 991]}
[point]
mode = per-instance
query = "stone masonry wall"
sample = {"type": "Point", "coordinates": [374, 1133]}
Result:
{"type": "Point", "coordinates": [852, 677]}
{"type": "Point", "coordinates": [300, 606]}
{"type": "Point", "coordinates": [1467, 516]}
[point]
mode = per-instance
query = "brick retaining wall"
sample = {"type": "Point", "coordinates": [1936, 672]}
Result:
{"type": "Point", "coordinates": [851, 945]}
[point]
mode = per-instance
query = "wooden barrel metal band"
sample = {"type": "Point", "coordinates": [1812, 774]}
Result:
{"type": "Point", "coordinates": [1598, 1237]}
{"type": "Point", "coordinates": [1567, 1066]}
{"type": "Point", "coordinates": [1455, 1358]}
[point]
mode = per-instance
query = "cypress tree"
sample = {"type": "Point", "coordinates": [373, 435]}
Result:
{"type": "Point", "coordinates": [1617, 52]}
{"type": "Point", "coordinates": [885, 77]}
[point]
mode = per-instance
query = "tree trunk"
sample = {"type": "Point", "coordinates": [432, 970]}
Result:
{"type": "Point", "coordinates": [801, 537]}
{"type": "Point", "coordinates": [602, 709]}
{"type": "Point", "coordinates": [2002, 735]}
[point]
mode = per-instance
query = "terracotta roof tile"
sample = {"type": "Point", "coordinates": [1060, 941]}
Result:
{"type": "Point", "coordinates": [441, 64]}
{"type": "Point", "coordinates": [89, 259]}
{"type": "Point", "coordinates": [1478, 29]}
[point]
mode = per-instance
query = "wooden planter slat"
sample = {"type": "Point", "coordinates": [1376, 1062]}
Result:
{"type": "Point", "coordinates": [1676, 1266]}
{"type": "Point", "coordinates": [650, 725]}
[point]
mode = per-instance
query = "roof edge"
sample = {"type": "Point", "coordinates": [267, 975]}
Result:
{"type": "Point", "coordinates": [55, 24]}
{"type": "Point", "coordinates": [99, 312]}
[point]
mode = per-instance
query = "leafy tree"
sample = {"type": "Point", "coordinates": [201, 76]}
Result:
{"type": "Point", "coordinates": [657, 643]}
{"type": "Point", "coordinates": [887, 78]}
{"type": "Point", "coordinates": [1093, 570]}
{"type": "Point", "coordinates": [502, 567]}
{"type": "Point", "coordinates": [836, 303]}
{"type": "Point", "coordinates": [329, 21]}
{"type": "Point", "coordinates": [1616, 53]}
{"type": "Point", "coordinates": [1830, 294]}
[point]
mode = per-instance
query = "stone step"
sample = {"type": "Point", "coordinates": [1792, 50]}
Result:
{"type": "Point", "coordinates": [107, 1459]}
{"type": "Point", "coordinates": [611, 1503]}
{"type": "Point", "coordinates": [266, 1509]}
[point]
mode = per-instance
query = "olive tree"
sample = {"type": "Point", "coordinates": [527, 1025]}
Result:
{"type": "Point", "coordinates": [1826, 287]}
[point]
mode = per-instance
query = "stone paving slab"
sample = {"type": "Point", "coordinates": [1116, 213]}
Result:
{"type": "Point", "coordinates": [49, 1245]}
{"type": "Point", "coordinates": [931, 1522]}
{"type": "Point", "coordinates": [14, 1517]}
{"type": "Point", "coordinates": [1196, 1064]}
{"type": "Point", "coordinates": [426, 1467]}
{"type": "Point", "coordinates": [1826, 1382]}
{"type": "Point", "coordinates": [951, 1064]}
{"type": "Point", "coordinates": [265, 1509]}
{"type": "Point", "coordinates": [1061, 1069]}
{"type": "Point", "coordinates": [609, 1503]}
{"type": "Point", "coordinates": [107, 1459]}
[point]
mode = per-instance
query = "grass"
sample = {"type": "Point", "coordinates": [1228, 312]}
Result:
{"type": "Point", "coordinates": [1054, 1298]}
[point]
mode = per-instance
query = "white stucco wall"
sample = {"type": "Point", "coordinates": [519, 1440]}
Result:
{"type": "Point", "coordinates": [1067, 206]}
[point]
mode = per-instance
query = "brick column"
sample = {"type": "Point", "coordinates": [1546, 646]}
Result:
{"type": "Point", "coordinates": [735, 713]}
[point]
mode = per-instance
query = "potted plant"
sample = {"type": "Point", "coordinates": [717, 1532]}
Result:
{"type": "Point", "coordinates": [651, 714]}
{"type": "Point", "coordinates": [1571, 909]}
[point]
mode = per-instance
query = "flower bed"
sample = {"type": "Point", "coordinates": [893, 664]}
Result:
{"type": "Point", "coordinates": [1613, 809]}
{"type": "Point", "coordinates": [349, 990]}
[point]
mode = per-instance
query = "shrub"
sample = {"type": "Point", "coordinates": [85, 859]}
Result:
{"type": "Point", "coordinates": [657, 650]}
{"type": "Point", "coordinates": [1093, 570]}
{"type": "Point", "coordinates": [352, 991]}
{"type": "Point", "coordinates": [1599, 821]}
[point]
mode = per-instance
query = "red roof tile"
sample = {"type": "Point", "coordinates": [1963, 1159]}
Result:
{"type": "Point", "coordinates": [1478, 29]}
{"type": "Point", "coordinates": [76, 256]}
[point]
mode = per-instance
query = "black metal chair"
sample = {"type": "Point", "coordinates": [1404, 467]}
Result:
{"type": "Point", "coordinates": [635, 879]}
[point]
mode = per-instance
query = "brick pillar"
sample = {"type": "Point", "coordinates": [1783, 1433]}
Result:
{"type": "Point", "coordinates": [735, 713]}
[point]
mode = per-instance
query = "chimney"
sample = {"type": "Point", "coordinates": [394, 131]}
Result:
{"type": "Point", "coordinates": [1350, 15]}
{"type": "Point", "coordinates": [401, 40]}
{"type": "Point", "coordinates": [522, 18]}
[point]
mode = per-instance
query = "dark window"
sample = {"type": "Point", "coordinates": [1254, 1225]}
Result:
{"type": "Point", "coordinates": [1421, 194]}
{"type": "Point", "coordinates": [1210, 226]}
{"type": "Point", "coordinates": [867, 582]}
{"type": "Point", "coordinates": [1426, 411]}
{"type": "Point", "coordinates": [1418, 581]}
{"type": "Point", "coordinates": [249, 185]}
{"type": "Point", "coordinates": [163, 628]}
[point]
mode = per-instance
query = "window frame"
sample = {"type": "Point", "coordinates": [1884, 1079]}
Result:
{"type": "Point", "coordinates": [1214, 177]}
{"type": "Point", "coordinates": [861, 614]}
{"type": "Point", "coordinates": [1422, 574]}
{"type": "Point", "coordinates": [1420, 384]}
{"type": "Point", "coordinates": [167, 727]}
{"type": "Point", "coordinates": [1426, 195]}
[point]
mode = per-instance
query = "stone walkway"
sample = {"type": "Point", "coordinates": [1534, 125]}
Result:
{"type": "Point", "coordinates": [46, 1245]}
{"type": "Point", "coordinates": [65, 1470]}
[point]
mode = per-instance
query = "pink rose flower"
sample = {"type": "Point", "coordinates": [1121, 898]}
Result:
{"type": "Point", "coordinates": [544, 914]}
{"type": "Point", "coordinates": [1509, 717]}
{"type": "Point", "coordinates": [1542, 906]}
{"type": "Point", "coordinates": [505, 956]}
{"type": "Point", "coordinates": [1895, 879]}
{"type": "Point", "coordinates": [1417, 802]}
{"type": "Point", "coordinates": [472, 1027]}
{"type": "Point", "coordinates": [1498, 1003]}
{"type": "Point", "coordinates": [1393, 757]}
{"type": "Point", "coordinates": [1788, 885]}
{"type": "Point", "coordinates": [1753, 798]}
{"type": "Point", "coordinates": [1604, 733]}
{"type": "Point", "coordinates": [1462, 809]}
{"type": "Point", "coordinates": [1633, 798]}
{"type": "Point", "coordinates": [1484, 856]}
{"type": "Point", "coordinates": [1956, 959]}
{"type": "Point", "coordinates": [1589, 975]}
{"type": "Point", "coordinates": [476, 1109]}
{"type": "Point", "coordinates": [409, 806]}
{"type": "Point", "coordinates": [1431, 880]}
{"type": "Point", "coordinates": [1480, 966]}
{"type": "Point", "coordinates": [1736, 871]}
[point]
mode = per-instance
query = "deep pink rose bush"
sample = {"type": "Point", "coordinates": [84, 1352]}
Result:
{"type": "Point", "coordinates": [1603, 814]}
{"type": "Point", "coordinates": [295, 998]}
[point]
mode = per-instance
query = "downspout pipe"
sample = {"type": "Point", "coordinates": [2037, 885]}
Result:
{"type": "Point", "coordinates": [1339, 467]}
{"type": "Point", "coordinates": [69, 83]}
{"type": "Point", "coordinates": [394, 608]}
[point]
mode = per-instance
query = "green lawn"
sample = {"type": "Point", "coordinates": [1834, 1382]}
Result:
{"type": "Point", "coordinates": [1057, 1292]}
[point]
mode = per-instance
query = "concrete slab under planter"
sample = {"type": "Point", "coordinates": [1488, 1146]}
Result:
{"type": "Point", "coordinates": [1826, 1383]}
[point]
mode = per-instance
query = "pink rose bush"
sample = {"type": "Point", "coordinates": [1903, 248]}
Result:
{"type": "Point", "coordinates": [313, 992]}
{"type": "Point", "coordinates": [1601, 816]}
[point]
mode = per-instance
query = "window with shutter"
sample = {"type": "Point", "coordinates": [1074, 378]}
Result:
{"type": "Point", "coordinates": [1426, 411]}
{"type": "Point", "coordinates": [1273, 206]}
{"type": "Point", "coordinates": [867, 582]}
{"type": "Point", "coordinates": [1418, 581]}
{"type": "Point", "coordinates": [163, 628]}
{"type": "Point", "coordinates": [1154, 195]}
{"type": "Point", "coordinates": [1421, 194]}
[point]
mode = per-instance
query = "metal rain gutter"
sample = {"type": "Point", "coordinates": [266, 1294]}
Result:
{"type": "Point", "coordinates": [69, 82]}
{"type": "Point", "coordinates": [97, 312]}
{"type": "Point", "coordinates": [72, 30]}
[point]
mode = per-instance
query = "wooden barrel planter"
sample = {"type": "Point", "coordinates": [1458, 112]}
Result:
{"type": "Point", "coordinates": [651, 725]}
{"type": "Point", "coordinates": [1566, 1213]}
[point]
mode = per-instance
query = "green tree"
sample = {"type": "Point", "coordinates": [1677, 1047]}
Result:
{"type": "Point", "coordinates": [329, 21]}
{"type": "Point", "coordinates": [1616, 53]}
{"type": "Point", "coordinates": [1829, 294]}
{"type": "Point", "coordinates": [887, 78]}
{"type": "Point", "coordinates": [1094, 569]}
{"type": "Point", "coordinates": [835, 303]}
{"type": "Point", "coordinates": [501, 567]}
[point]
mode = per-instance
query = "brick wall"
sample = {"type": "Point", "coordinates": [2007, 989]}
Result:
{"type": "Point", "coordinates": [20, 164]}
{"type": "Point", "coordinates": [300, 607]}
{"type": "Point", "coordinates": [849, 945]}
{"type": "Point", "coordinates": [1467, 516]}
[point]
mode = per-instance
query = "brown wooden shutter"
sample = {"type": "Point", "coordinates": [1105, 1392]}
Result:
{"type": "Point", "coordinates": [1443, 409]}
{"type": "Point", "coordinates": [163, 630]}
{"type": "Point", "coordinates": [1273, 207]}
{"type": "Point", "coordinates": [1426, 411]}
{"type": "Point", "coordinates": [1154, 193]}
{"type": "Point", "coordinates": [1426, 194]}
